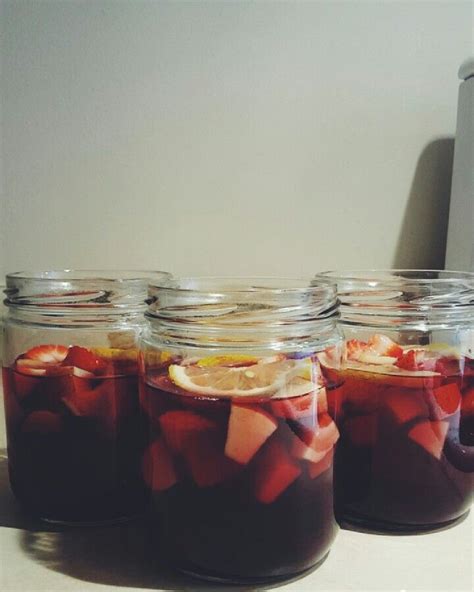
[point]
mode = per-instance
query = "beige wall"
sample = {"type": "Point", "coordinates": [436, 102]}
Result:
{"type": "Point", "coordinates": [231, 137]}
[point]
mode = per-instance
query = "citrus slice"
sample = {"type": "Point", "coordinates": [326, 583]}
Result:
{"type": "Point", "coordinates": [266, 378]}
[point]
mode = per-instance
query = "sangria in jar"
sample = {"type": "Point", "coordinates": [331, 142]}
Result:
{"type": "Point", "coordinates": [241, 446]}
{"type": "Point", "coordinates": [405, 460]}
{"type": "Point", "coordinates": [70, 385]}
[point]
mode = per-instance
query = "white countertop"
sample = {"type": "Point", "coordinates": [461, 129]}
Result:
{"type": "Point", "coordinates": [33, 559]}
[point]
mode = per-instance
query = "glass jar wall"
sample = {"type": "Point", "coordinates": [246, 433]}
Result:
{"type": "Point", "coordinates": [239, 460]}
{"type": "Point", "coordinates": [71, 392]}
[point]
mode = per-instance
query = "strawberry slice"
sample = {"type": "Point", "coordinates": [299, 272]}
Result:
{"type": "Point", "coordinates": [405, 406]}
{"type": "Point", "coordinates": [308, 405]}
{"type": "Point", "coordinates": [384, 346]}
{"type": "Point", "coordinates": [248, 429]}
{"type": "Point", "coordinates": [361, 430]}
{"type": "Point", "coordinates": [48, 354]}
{"type": "Point", "coordinates": [312, 446]}
{"type": "Point", "coordinates": [159, 471]}
{"type": "Point", "coordinates": [206, 462]}
{"type": "Point", "coordinates": [180, 426]}
{"type": "Point", "coordinates": [82, 358]}
{"type": "Point", "coordinates": [430, 435]}
{"type": "Point", "coordinates": [276, 471]}
{"type": "Point", "coordinates": [448, 400]}
{"type": "Point", "coordinates": [316, 469]}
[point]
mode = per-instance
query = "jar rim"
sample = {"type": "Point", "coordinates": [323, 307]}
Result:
{"type": "Point", "coordinates": [396, 275]}
{"type": "Point", "coordinates": [102, 275]}
{"type": "Point", "coordinates": [228, 285]}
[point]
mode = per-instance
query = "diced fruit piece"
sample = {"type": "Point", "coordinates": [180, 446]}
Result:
{"type": "Point", "coordinates": [180, 426]}
{"type": "Point", "coordinates": [384, 346]}
{"type": "Point", "coordinates": [248, 429]}
{"type": "Point", "coordinates": [467, 406]}
{"type": "Point", "coordinates": [316, 469]}
{"type": "Point", "coordinates": [269, 377]}
{"type": "Point", "coordinates": [206, 462]}
{"type": "Point", "coordinates": [313, 445]}
{"type": "Point", "coordinates": [158, 467]}
{"type": "Point", "coordinates": [405, 406]}
{"type": "Point", "coordinates": [43, 422]}
{"type": "Point", "coordinates": [303, 452]}
{"type": "Point", "coordinates": [82, 358]}
{"type": "Point", "coordinates": [49, 354]}
{"type": "Point", "coordinates": [361, 430]}
{"type": "Point", "coordinates": [448, 400]}
{"type": "Point", "coordinates": [296, 407]}
{"type": "Point", "coordinates": [430, 435]}
{"type": "Point", "coordinates": [275, 472]}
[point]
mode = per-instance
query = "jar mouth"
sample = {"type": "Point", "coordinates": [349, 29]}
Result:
{"type": "Point", "coordinates": [244, 284]}
{"type": "Point", "coordinates": [80, 291]}
{"type": "Point", "coordinates": [439, 297]}
{"type": "Point", "coordinates": [242, 312]}
{"type": "Point", "coordinates": [101, 275]}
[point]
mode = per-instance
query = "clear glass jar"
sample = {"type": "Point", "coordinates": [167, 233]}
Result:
{"type": "Point", "coordinates": [71, 392]}
{"type": "Point", "coordinates": [405, 460]}
{"type": "Point", "coordinates": [239, 460]}
{"type": "Point", "coordinates": [2, 318]}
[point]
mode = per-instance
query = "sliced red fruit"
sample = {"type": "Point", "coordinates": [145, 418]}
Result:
{"type": "Point", "coordinates": [430, 435]}
{"type": "Point", "coordinates": [180, 426]}
{"type": "Point", "coordinates": [448, 400]}
{"type": "Point", "coordinates": [275, 472]}
{"type": "Point", "coordinates": [206, 462]}
{"type": "Point", "coordinates": [361, 430]}
{"type": "Point", "coordinates": [384, 346]}
{"type": "Point", "coordinates": [467, 406]}
{"type": "Point", "coordinates": [159, 471]}
{"type": "Point", "coordinates": [313, 446]}
{"type": "Point", "coordinates": [451, 366]}
{"type": "Point", "coordinates": [248, 429]}
{"type": "Point", "coordinates": [82, 358]}
{"type": "Point", "coordinates": [405, 405]}
{"type": "Point", "coordinates": [316, 469]}
{"type": "Point", "coordinates": [354, 348]}
{"type": "Point", "coordinates": [30, 367]}
{"type": "Point", "coordinates": [43, 422]}
{"type": "Point", "coordinates": [49, 354]}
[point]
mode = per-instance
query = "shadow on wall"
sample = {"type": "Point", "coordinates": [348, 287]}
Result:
{"type": "Point", "coordinates": [422, 240]}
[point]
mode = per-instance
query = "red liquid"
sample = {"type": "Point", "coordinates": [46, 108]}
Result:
{"type": "Point", "coordinates": [268, 515]}
{"type": "Point", "coordinates": [405, 459]}
{"type": "Point", "coordinates": [74, 445]}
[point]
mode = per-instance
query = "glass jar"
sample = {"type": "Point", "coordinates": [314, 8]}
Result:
{"type": "Point", "coordinates": [239, 460]}
{"type": "Point", "coordinates": [2, 318]}
{"type": "Point", "coordinates": [71, 392]}
{"type": "Point", "coordinates": [405, 460]}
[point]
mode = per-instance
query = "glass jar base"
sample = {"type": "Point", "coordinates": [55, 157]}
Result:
{"type": "Point", "coordinates": [351, 521]}
{"type": "Point", "coordinates": [217, 577]}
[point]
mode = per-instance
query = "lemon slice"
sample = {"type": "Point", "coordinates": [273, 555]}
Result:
{"type": "Point", "coordinates": [228, 360]}
{"type": "Point", "coordinates": [112, 353]}
{"type": "Point", "coordinates": [269, 379]}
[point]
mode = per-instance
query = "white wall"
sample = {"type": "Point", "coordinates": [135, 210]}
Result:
{"type": "Point", "coordinates": [229, 137]}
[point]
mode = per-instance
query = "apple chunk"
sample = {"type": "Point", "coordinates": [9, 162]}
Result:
{"type": "Point", "coordinates": [249, 428]}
